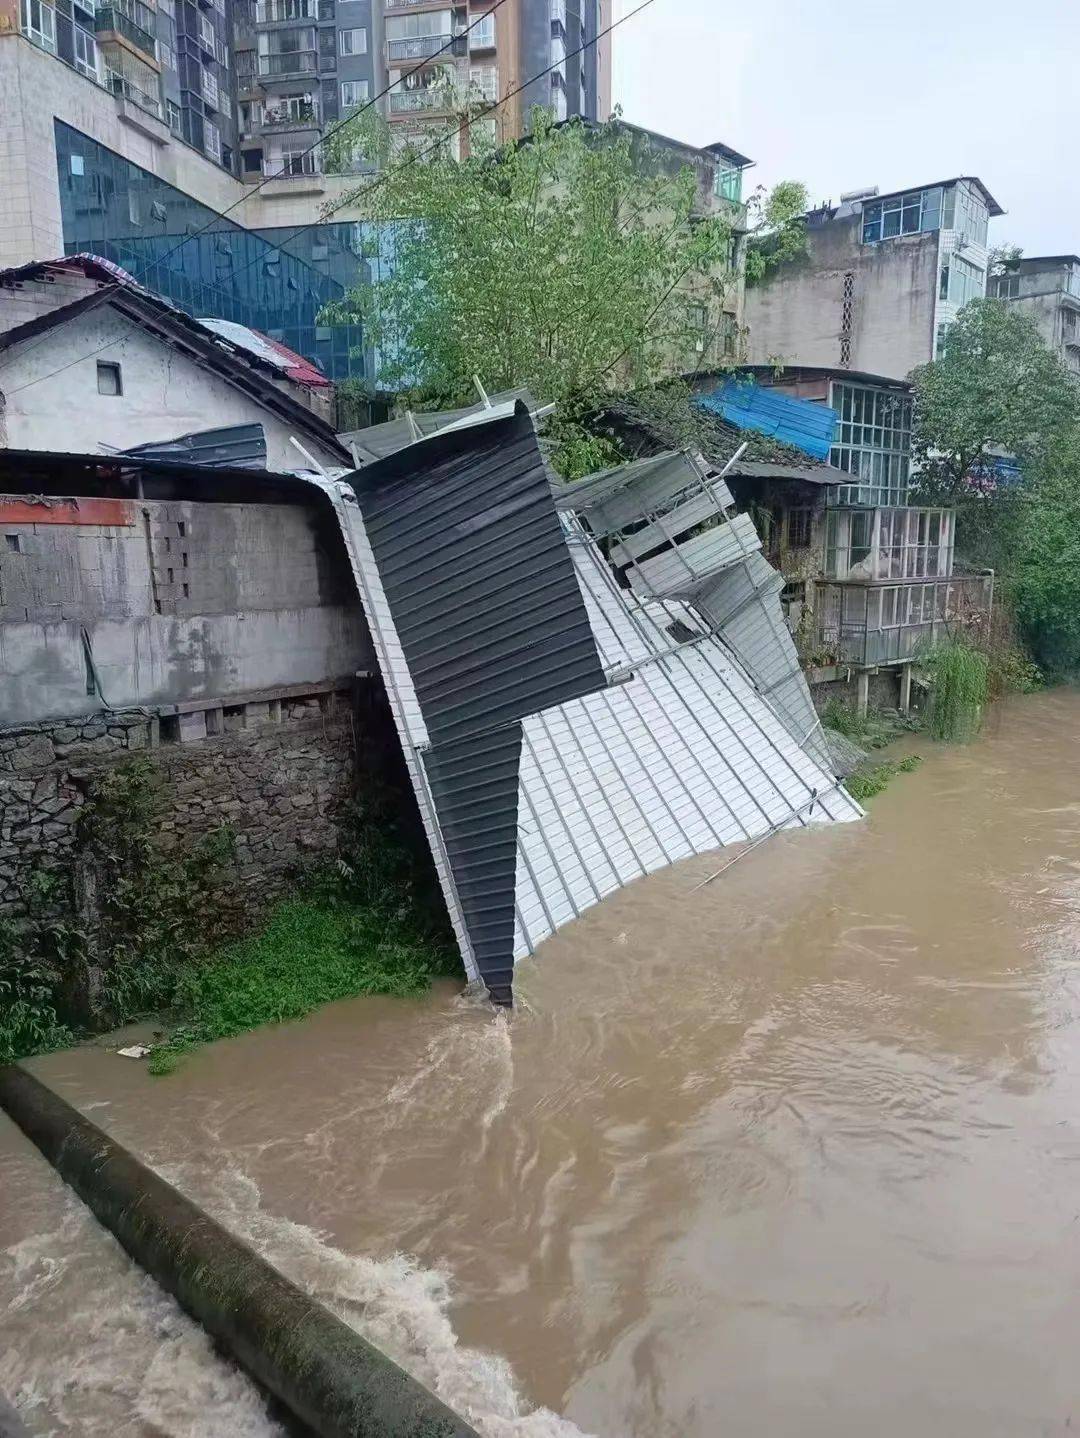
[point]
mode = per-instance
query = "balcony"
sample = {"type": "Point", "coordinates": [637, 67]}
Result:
{"type": "Point", "coordinates": [870, 624]}
{"type": "Point", "coordinates": [292, 115]}
{"type": "Point", "coordinates": [130, 19]}
{"type": "Point", "coordinates": [125, 88]}
{"type": "Point", "coordinates": [273, 12]}
{"type": "Point", "coordinates": [409, 102]}
{"type": "Point", "coordinates": [424, 47]}
{"type": "Point", "coordinates": [293, 64]}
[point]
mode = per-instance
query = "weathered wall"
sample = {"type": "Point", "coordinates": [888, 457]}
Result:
{"type": "Point", "coordinates": [798, 314]}
{"type": "Point", "coordinates": [118, 603]}
{"type": "Point", "coordinates": [165, 394]}
{"type": "Point", "coordinates": [278, 775]}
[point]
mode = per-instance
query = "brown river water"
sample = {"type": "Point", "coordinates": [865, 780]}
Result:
{"type": "Point", "coordinates": [794, 1154]}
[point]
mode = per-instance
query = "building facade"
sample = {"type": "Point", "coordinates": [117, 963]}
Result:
{"type": "Point", "coordinates": [882, 278]}
{"type": "Point", "coordinates": [1047, 288]}
{"type": "Point", "coordinates": [870, 577]}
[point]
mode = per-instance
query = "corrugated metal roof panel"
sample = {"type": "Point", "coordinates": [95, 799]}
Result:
{"type": "Point", "coordinates": [809, 427]}
{"type": "Point", "coordinates": [237, 446]}
{"type": "Point", "coordinates": [542, 788]}
{"type": "Point", "coordinates": [476, 571]}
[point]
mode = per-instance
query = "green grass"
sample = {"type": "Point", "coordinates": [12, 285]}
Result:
{"type": "Point", "coordinates": [869, 731]}
{"type": "Point", "coordinates": [310, 953]}
{"type": "Point", "coordinates": [868, 783]}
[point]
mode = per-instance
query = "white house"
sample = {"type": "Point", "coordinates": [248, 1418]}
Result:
{"type": "Point", "coordinates": [90, 361]}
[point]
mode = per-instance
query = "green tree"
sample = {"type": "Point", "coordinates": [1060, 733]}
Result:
{"type": "Point", "coordinates": [573, 261]}
{"type": "Point", "coordinates": [997, 386]}
{"type": "Point", "coordinates": [779, 232]}
{"type": "Point", "coordinates": [1040, 545]}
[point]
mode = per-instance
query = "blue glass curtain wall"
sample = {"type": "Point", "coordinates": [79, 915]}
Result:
{"type": "Point", "coordinates": [275, 280]}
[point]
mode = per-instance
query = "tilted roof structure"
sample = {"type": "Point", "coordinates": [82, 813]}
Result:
{"type": "Point", "coordinates": [589, 683]}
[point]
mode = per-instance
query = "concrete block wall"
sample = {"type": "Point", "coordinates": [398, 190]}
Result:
{"type": "Point", "coordinates": [167, 603]}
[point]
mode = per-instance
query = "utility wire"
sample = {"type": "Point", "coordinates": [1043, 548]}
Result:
{"type": "Point", "coordinates": [219, 215]}
{"type": "Point", "coordinates": [414, 158]}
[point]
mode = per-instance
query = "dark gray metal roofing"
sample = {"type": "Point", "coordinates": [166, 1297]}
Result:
{"type": "Point", "coordinates": [475, 784]}
{"type": "Point", "coordinates": [485, 602]}
{"type": "Point", "coordinates": [582, 494]}
{"type": "Point", "coordinates": [478, 576]}
{"type": "Point", "coordinates": [237, 446]}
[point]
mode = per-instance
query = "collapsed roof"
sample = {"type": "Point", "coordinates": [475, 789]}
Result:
{"type": "Point", "coordinates": [588, 685]}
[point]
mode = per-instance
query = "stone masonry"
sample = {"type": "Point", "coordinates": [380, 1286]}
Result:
{"type": "Point", "coordinates": [276, 772]}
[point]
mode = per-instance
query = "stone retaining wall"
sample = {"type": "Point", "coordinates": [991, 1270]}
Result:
{"type": "Point", "coordinates": [277, 771]}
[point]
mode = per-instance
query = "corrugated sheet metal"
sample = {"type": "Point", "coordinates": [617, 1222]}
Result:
{"type": "Point", "coordinates": [476, 571]}
{"type": "Point", "coordinates": [809, 427]}
{"type": "Point", "coordinates": [379, 441]}
{"type": "Point", "coordinates": [237, 446]}
{"type": "Point", "coordinates": [543, 788]}
{"type": "Point", "coordinates": [617, 497]}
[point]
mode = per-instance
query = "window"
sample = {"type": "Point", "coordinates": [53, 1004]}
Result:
{"type": "Point", "coordinates": [39, 23]}
{"type": "Point", "coordinates": [941, 339]}
{"type": "Point", "coordinates": [210, 89]}
{"type": "Point", "coordinates": [352, 42]}
{"type": "Point", "coordinates": [697, 316]}
{"type": "Point", "coordinates": [800, 525]}
{"type": "Point", "coordinates": [482, 34]}
{"type": "Point", "coordinates": [963, 281]}
{"type": "Point", "coordinates": [206, 34]}
{"type": "Point", "coordinates": [418, 37]}
{"type": "Point", "coordinates": [971, 215]}
{"type": "Point", "coordinates": [727, 184]}
{"type": "Point", "coordinates": [1006, 287]}
{"type": "Point", "coordinates": [212, 140]}
{"type": "Point", "coordinates": [166, 54]}
{"type": "Point", "coordinates": [353, 93]}
{"type": "Point", "coordinates": [485, 80]}
{"type": "Point", "coordinates": [901, 215]}
{"type": "Point", "coordinates": [174, 117]}
{"type": "Point", "coordinates": [872, 443]}
{"type": "Point", "coordinates": [86, 60]}
{"type": "Point", "coordinates": [108, 379]}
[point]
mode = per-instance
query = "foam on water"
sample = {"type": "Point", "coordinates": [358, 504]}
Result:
{"type": "Point", "coordinates": [93, 1346]}
{"type": "Point", "coordinates": [393, 1302]}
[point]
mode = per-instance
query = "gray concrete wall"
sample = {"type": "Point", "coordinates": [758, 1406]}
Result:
{"type": "Point", "coordinates": [179, 602]}
{"type": "Point", "coordinates": [797, 315]}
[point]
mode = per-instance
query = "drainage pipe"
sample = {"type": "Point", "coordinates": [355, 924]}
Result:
{"type": "Point", "coordinates": [326, 1374]}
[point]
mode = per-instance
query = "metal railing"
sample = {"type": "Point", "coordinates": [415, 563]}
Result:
{"type": "Point", "coordinates": [405, 102]}
{"type": "Point", "coordinates": [286, 117]}
{"type": "Point", "coordinates": [293, 62]}
{"type": "Point", "coordinates": [126, 89]}
{"type": "Point", "coordinates": [122, 18]}
{"type": "Point", "coordinates": [869, 624]}
{"type": "Point", "coordinates": [422, 47]}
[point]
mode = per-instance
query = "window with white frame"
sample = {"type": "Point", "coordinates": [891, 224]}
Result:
{"type": "Point", "coordinates": [86, 56]}
{"type": "Point", "coordinates": [872, 443]}
{"type": "Point", "coordinates": [352, 42]}
{"type": "Point", "coordinates": [353, 93]}
{"type": "Point", "coordinates": [961, 281]}
{"type": "Point", "coordinates": [484, 80]}
{"type": "Point", "coordinates": [39, 24]}
{"type": "Point", "coordinates": [1005, 287]}
{"type": "Point", "coordinates": [901, 215]}
{"type": "Point", "coordinates": [212, 140]}
{"type": "Point", "coordinates": [210, 89]}
{"type": "Point", "coordinates": [482, 34]}
{"type": "Point", "coordinates": [206, 33]}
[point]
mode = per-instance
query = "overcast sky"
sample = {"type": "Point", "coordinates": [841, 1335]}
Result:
{"type": "Point", "coordinates": [847, 93]}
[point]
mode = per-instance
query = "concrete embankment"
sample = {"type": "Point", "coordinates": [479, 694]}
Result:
{"type": "Point", "coordinates": [326, 1374]}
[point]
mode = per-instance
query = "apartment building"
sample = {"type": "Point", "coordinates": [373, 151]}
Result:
{"type": "Point", "coordinates": [1046, 287]}
{"type": "Point", "coordinates": [882, 279]}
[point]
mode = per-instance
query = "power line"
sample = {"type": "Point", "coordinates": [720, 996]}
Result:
{"type": "Point", "coordinates": [414, 158]}
{"type": "Point", "coordinates": [219, 215]}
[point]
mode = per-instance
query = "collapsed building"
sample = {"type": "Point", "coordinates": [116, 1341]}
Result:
{"type": "Point", "coordinates": [588, 682]}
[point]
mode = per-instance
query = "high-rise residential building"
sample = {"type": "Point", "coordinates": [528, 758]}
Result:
{"type": "Point", "coordinates": [129, 126]}
{"type": "Point", "coordinates": [1046, 287]}
{"type": "Point", "coordinates": [882, 278]}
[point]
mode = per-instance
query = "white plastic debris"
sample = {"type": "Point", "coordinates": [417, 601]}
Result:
{"type": "Point", "coordinates": [136, 1051]}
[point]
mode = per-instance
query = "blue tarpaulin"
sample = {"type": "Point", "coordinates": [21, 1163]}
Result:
{"type": "Point", "coordinates": [798, 422]}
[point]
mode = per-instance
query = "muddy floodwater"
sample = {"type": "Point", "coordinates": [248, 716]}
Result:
{"type": "Point", "coordinates": [794, 1154]}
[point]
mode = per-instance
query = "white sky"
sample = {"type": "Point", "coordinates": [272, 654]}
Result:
{"type": "Point", "coordinates": [843, 94]}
